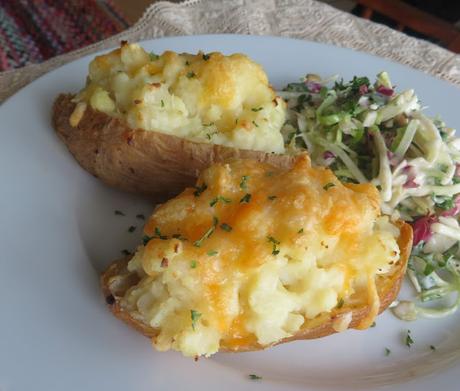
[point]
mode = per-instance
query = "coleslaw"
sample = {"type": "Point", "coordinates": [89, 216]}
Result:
{"type": "Point", "coordinates": [370, 133]}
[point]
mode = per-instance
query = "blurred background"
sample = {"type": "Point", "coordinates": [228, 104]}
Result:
{"type": "Point", "coordinates": [32, 31]}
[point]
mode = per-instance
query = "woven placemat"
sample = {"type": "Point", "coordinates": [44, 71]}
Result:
{"type": "Point", "coordinates": [33, 31]}
{"type": "Point", "coordinates": [304, 19]}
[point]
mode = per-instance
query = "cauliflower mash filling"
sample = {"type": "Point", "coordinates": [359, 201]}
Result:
{"type": "Point", "coordinates": [204, 97]}
{"type": "Point", "coordinates": [252, 252]}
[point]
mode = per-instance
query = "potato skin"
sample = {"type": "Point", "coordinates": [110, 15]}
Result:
{"type": "Point", "coordinates": [138, 161]}
{"type": "Point", "coordinates": [117, 279]}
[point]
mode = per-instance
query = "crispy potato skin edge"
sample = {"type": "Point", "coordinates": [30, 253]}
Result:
{"type": "Point", "coordinates": [388, 291]}
{"type": "Point", "coordinates": [144, 162]}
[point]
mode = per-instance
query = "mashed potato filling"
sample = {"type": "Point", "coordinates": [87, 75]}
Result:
{"type": "Point", "coordinates": [252, 252]}
{"type": "Point", "coordinates": [204, 97]}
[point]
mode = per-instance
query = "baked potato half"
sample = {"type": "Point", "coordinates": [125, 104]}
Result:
{"type": "Point", "coordinates": [149, 124]}
{"type": "Point", "coordinates": [254, 256]}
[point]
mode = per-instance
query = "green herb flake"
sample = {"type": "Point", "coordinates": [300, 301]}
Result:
{"type": "Point", "coordinates": [272, 197]}
{"type": "Point", "coordinates": [153, 56]}
{"type": "Point", "coordinates": [125, 252]}
{"type": "Point", "coordinates": [215, 200]}
{"type": "Point", "coordinates": [340, 303]}
{"type": "Point", "coordinates": [191, 74]}
{"type": "Point", "coordinates": [275, 242]}
{"type": "Point", "coordinates": [131, 229]}
{"type": "Point", "coordinates": [300, 231]}
{"type": "Point", "coordinates": [206, 57]}
{"type": "Point", "coordinates": [429, 268]}
{"type": "Point", "coordinates": [159, 235]}
{"type": "Point", "coordinates": [208, 233]}
{"type": "Point", "coordinates": [195, 315]}
{"type": "Point", "coordinates": [162, 103]}
{"type": "Point", "coordinates": [211, 253]}
{"type": "Point", "coordinates": [387, 352]}
{"type": "Point", "coordinates": [146, 239]}
{"type": "Point", "coordinates": [199, 189]}
{"type": "Point", "coordinates": [118, 213]}
{"type": "Point", "coordinates": [409, 341]}
{"type": "Point", "coordinates": [255, 123]}
{"type": "Point", "coordinates": [187, 62]}
{"type": "Point", "coordinates": [327, 186]}
{"type": "Point", "coordinates": [256, 109]}
{"type": "Point", "coordinates": [140, 216]}
{"type": "Point", "coordinates": [432, 347]}
{"type": "Point", "coordinates": [244, 182]}
{"type": "Point", "coordinates": [246, 199]}
{"type": "Point", "coordinates": [226, 227]}
{"type": "Point", "coordinates": [193, 264]}
{"type": "Point", "coordinates": [254, 377]}
{"type": "Point", "coordinates": [373, 324]}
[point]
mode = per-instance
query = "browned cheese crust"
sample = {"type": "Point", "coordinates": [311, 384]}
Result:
{"type": "Point", "coordinates": [138, 161]}
{"type": "Point", "coordinates": [116, 280]}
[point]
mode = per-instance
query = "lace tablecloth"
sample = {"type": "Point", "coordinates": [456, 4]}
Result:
{"type": "Point", "coordinates": [304, 19]}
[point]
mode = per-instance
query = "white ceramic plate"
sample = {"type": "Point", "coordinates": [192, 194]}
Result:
{"type": "Point", "coordinates": [58, 230]}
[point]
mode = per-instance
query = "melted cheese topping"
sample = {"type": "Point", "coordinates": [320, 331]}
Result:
{"type": "Point", "coordinates": [208, 98]}
{"type": "Point", "coordinates": [253, 251]}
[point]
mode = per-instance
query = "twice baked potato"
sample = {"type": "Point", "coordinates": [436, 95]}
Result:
{"type": "Point", "coordinates": [255, 255]}
{"type": "Point", "coordinates": [149, 124]}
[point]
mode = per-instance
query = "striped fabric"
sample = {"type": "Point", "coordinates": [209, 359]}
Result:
{"type": "Point", "coordinates": [32, 31]}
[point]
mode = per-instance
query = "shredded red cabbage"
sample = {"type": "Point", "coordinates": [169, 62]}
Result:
{"type": "Point", "coordinates": [313, 86]}
{"type": "Point", "coordinates": [422, 229]}
{"type": "Point", "coordinates": [363, 89]}
{"type": "Point", "coordinates": [455, 210]}
{"type": "Point", "coordinates": [385, 90]}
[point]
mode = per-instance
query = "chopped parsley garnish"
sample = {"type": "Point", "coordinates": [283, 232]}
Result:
{"type": "Point", "coordinates": [118, 213]}
{"type": "Point", "coordinates": [191, 74]}
{"type": "Point", "coordinates": [131, 229]}
{"type": "Point", "coordinates": [195, 315]}
{"type": "Point", "coordinates": [270, 173]}
{"type": "Point", "coordinates": [208, 233]}
{"type": "Point", "coordinates": [193, 264]}
{"type": "Point", "coordinates": [275, 249]}
{"type": "Point", "coordinates": [162, 103]}
{"type": "Point", "coordinates": [255, 377]}
{"type": "Point", "coordinates": [159, 235]}
{"type": "Point", "coordinates": [255, 123]}
{"type": "Point", "coordinates": [226, 227]}
{"type": "Point", "coordinates": [272, 197]}
{"type": "Point", "coordinates": [432, 347]}
{"type": "Point", "coordinates": [387, 352]}
{"type": "Point", "coordinates": [146, 239]}
{"type": "Point", "coordinates": [125, 252]}
{"type": "Point", "coordinates": [300, 231]}
{"type": "Point", "coordinates": [199, 189]}
{"type": "Point", "coordinates": [211, 253]}
{"type": "Point", "coordinates": [256, 109]}
{"type": "Point", "coordinates": [373, 324]}
{"type": "Point", "coordinates": [327, 186]}
{"type": "Point", "coordinates": [246, 198]}
{"type": "Point", "coordinates": [409, 340]}
{"type": "Point", "coordinates": [340, 303]}
{"type": "Point", "coordinates": [244, 182]}
{"type": "Point", "coordinates": [206, 57]}
{"type": "Point", "coordinates": [140, 216]}
{"type": "Point", "coordinates": [210, 124]}
{"type": "Point", "coordinates": [187, 62]}
{"type": "Point", "coordinates": [209, 135]}
{"type": "Point", "coordinates": [153, 56]}
{"type": "Point", "coordinates": [215, 200]}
